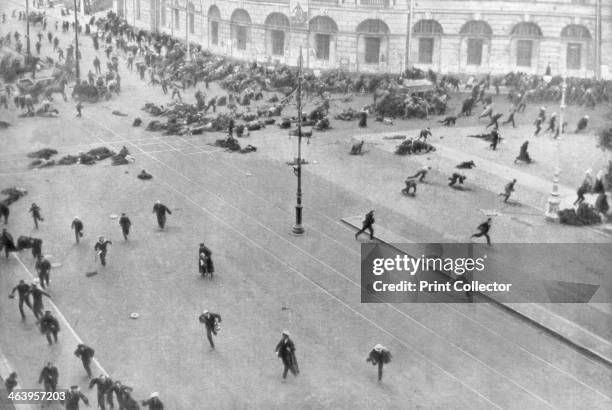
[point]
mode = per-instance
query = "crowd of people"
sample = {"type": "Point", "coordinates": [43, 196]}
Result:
{"type": "Point", "coordinates": [160, 60]}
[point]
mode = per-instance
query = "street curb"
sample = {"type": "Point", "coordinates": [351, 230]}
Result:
{"type": "Point", "coordinates": [580, 339]}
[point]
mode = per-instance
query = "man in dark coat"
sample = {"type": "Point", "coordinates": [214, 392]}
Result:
{"type": "Point", "coordinates": [23, 290]}
{"type": "Point", "coordinates": [105, 390]}
{"type": "Point", "coordinates": [125, 224]}
{"type": "Point", "coordinates": [380, 356]}
{"type": "Point", "coordinates": [494, 139]}
{"type": "Point", "coordinates": [129, 403]}
{"type": "Point", "coordinates": [77, 226]}
{"type": "Point", "coordinates": [36, 247]}
{"type": "Point", "coordinates": [35, 211]}
{"type": "Point", "coordinates": [7, 242]}
{"type": "Point", "coordinates": [523, 154]}
{"type": "Point", "coordinates": [49, 325]}
{"type": "Point", "coordinates": [285, 349]}
{"type": "Point", "coordinates": [583, 189]}
{"type": "Point", "coordinates": [160, 211]}
{"type": "Point", "coordinates": [86, 354]}
{"type": "Point", "coordinates": [11, 382]}
{"type": "Point", "coordinates": [211, 321]}
{"type": "Point", "coordinates": [73, 397]}
{"type": "Point", "coordinates": [367, 223]}
{"type": "Point", "coordinates": [456, 177]}
{"type": "Point", "coordinates": [582, 124]}
{"type": "Point", "coordinates": [101, 248]}
{"type": "Point", "coordinates": [508, 190]}
{"type": "Point", "coordinates": [37, 303]}
{"type": "Point", "coordinates": [153, 402]}
{"type": "Point", "coordinates": [43, 267]}
{"type": "Point", "coordinates": [4, 212]}
{"type": "Point", "coordinates": [49, 377]}
{"type": "Point", "coordinates": [483, 230]}
{"type": "Point", "coordinates": [205, 263]}
{"type": "Point", "coordinates": [363, 119]}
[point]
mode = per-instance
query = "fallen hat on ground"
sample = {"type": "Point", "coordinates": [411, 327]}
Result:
{"type": "Point", "coordinates": [134, 315]}
{"type": "Point", "coordinates": [90, 274]}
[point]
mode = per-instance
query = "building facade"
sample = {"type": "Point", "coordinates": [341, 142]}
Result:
{"type": "Point", "coordinates": [448, 36]}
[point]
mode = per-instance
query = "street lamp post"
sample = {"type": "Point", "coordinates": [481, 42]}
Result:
{"type": "Point", "coordinates": [187, 28]}
{"type": "Point", "coordinates": [552, 208]}
{"type": "Point", "coordinates": [27, 28]}
{"type": "Point", "coordinates": [76, 44]}
{"type": "Point", "coordinates": [298, 229]}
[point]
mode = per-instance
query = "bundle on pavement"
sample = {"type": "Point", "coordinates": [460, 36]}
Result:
{"type": "Point", "coordinates": [42, 163]}
{"type": "Point", "coordinates": [4, 124]}
{"type": "Point", "coordinates": [100, 153]}
{"type": "Point", "coordinates": [44, 153]}
{"type": "Point", "coordinates": [585, 215]}
{"type": "Point", "coordinates": [348, 114]}
{"type": "Point", "coordinates": [390, 105]}
{"type": "Point", "coordinates": [13, 194]}
{"type": "Point", "coordinates": [486, 137]}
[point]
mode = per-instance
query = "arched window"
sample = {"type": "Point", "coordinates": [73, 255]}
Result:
{"type": "Point", "coordinates": [240, 22]}
{"type": "Point", "coordinates": [526, 30]}
{"type": "Point", "coordinates": [213, 23]}
{"type": "Point", "coordinates": [576, 32]}
{"type": "Point", "coordinates": [425, 27]}
{"type": "Point", "coordinates": [476, 28]}
{"type": "Point", "coordinates": [373, 34]}
{"type": "Point", "coordinates": [427, 31]}
{"type": "Point", "coordinates": [191, 13]}
{"type": "Point", "coordinates": [528, 34]}
{"type": "Point", "coordinates": [324, 29]}
{"type": "Point", "coordinates": [277, 25]}
{"type": "Point", "coordinates": [577, 41]}
{"type": "Point", "coordinates": [477, 34]}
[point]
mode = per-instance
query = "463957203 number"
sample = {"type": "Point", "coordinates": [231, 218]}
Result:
{"type": "Point", "coordinates": [30, 396]}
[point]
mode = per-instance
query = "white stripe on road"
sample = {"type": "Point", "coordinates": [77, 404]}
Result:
{"type": "Point", "coordinates": [61, 316]}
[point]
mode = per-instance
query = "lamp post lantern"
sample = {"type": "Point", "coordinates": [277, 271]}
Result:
{"type": "Point", "coordinates": [552, 206]}
{"type": "Point", "coordinates": [298, 229]}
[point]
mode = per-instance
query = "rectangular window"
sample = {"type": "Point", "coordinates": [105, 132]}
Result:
{"type": "Point", "coordinates": [278, 42]}
{"type": "Point", "coordinates": [474, 51]}
{"type": "Point", "coordinates": [163, 13]}
{"type": "Point", "coordinates": [214, 32]}
{"type": "Point", "coordinates": [191, 23]}
{"type": "Point", "coordinates": [138, 9]}
{"type": "Point", "coordinates": [426, 46]}
{"type": "Point", "coordinates": [524, 49]}
{"type": "Point", "coordinates": [177, 19]}
{"type": "Point", "coordinates": [574, 56]}
{"type": "Point", "coordinates": [241, 37]}
{"type": "Point", "coordinates": [322, 41]}
{"type": "Point", "coordinates": [372, 50]}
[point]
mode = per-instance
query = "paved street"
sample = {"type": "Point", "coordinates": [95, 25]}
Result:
{"type": "Point", "coordinates": [266, 280]}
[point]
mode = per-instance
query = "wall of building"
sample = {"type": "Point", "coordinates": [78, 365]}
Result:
{"type": "Point", "coordinates": [499, 51]}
